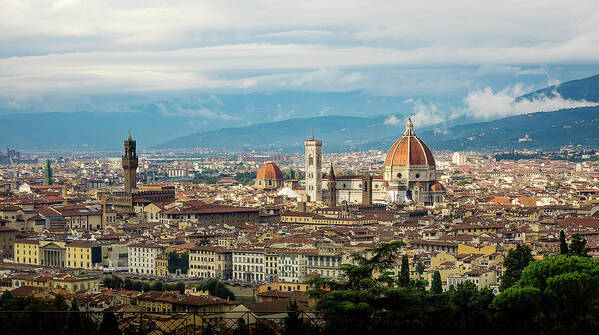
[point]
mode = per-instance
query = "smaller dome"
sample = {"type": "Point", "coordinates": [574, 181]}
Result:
{"type": "Point", "coordinates": [385, 184]}
{"type": "Point", "coordinates": [437, 187]}
{"type": "Point", "coordinates": [419, 184]}
{"type": "Point", "coordinates": [269, 171]}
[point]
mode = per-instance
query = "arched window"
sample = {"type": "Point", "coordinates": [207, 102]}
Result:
{"type": "Point", "coordinates": [310, 160]}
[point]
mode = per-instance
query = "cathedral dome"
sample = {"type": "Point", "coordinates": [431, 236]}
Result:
{"type": "Point", "coordinates": [409, 150]}
{"type": "Point", "coordinates": [437, 187]}
{"type": "Point", "coordinates": [269, 171]}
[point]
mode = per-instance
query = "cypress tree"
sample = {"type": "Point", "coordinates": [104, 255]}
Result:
{"type": "Point", "coordinates": [404, 275]}
{"type": "Point", "coordinates": [436, 285]}
{"type": "Point", "coordinates": [563, 245]}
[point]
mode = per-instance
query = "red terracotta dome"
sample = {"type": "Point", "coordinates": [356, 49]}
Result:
{"type": "Point", "coordinates": [437, 187]}
{"type": "Point", "coordinates": [269, 171]}
{"type": "Point", "coordinates": [409, 150]}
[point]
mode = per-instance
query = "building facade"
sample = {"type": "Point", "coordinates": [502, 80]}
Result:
{"type": "Point", "coordinates": [248, 266]}
{"type": "Point", "coordinates": [313, 169]}
{"type": "Point", "coordinates": [142, 258]}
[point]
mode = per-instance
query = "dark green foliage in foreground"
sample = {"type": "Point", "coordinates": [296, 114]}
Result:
{"type": "Point", "coordinates": [177, 261]}
{"type": "Point", "coordinates": [515, 261]}
{"type": "Point", "coordinates": [563, 245]}
{"type": "Point", "coordinates": [578, 246]}
{"type": "Point", "coordinates": [216, 288]}
{"type": "Point", "coordinates": [436, 285]}
{"type": "Point", "coordinates": [558, 295]}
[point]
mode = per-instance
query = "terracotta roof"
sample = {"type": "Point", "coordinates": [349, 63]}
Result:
{"type": "Point", "coordinates": [269, 171]}
{"type": "Point", "coordinates": [409, 150]}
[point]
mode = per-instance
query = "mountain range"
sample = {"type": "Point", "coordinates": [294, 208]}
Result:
{"type": "Point", "coordinates": [157, 129]}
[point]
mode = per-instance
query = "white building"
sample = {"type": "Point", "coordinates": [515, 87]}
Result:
{"type": "Point", "coordinates": [142, 258]}
{"type": "Point", "coordinates": [313, 169]}
{"type": "Point", "coordinates": [248, 266]}
{"type": "Point", "coordinates": [326, 266]}
{"type": "Point", "coordinates": [292, 267]}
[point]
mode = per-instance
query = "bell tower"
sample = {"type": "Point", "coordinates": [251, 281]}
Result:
{"type": "Point", "coordinates": [130, 165]}
{"type": "Point", "coordinates": [332, 189]}
{"type": "Point", "coordinates": [313, 169]}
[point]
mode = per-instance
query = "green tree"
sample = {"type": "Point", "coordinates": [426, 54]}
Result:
{"type": "Point", "coordinates": [368, 301]}
{"type": "Point", "coordinates": [217, 288]}
{"type": "Point", "coordinates": [157, 286]}
{"type": "Point", "coordinates": [557, 295]}
{"type": "Point", "coordinates": [436, 285]}
{"type": "Point", "coordinates": [578, 246]}
{"type": "Point", "coordinates": [515, 261]}
{"type": "Point", "coordinates": [404, 275]}
{"type": "Point", "coordinates": [178, 261]}
{"type": "Point", "coordinates": [420, 268]}
{"type": "Point", "coordinates": [109, 325]}
{"type": "Point", "coordinates": [563, 245]}
{"type": "Point", "coordinates": [293, 323]}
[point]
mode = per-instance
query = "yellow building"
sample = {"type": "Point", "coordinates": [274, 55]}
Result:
{"type": "Point", "coordinates": [154, 301]}
{"type": "Point", "coordinates": [27, 252]}
{"type": "Point", "coordinates": [60, 281]}
{"type": "Point", "coordinates": [76, 254]}
{"type": "Point", "coordinates": [314, 219]}
{"type": "Point", "coordinates": [83, 254]}
{"type": "Point", "coordinates": [162, 265]}
{"type": "Point", "coordinates": [210, 262]}
{"type": "Point", "coordinates": [464, 249]}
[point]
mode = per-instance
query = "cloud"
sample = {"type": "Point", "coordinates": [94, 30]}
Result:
{"type": "Point", "coordinates": [426, 114]}
{"type": "Point", "coordinates": [488, 104]}
{"type": "Point", "coordinates": [393, 121]}
{"type": "Point", "coordinates": [202, 112]}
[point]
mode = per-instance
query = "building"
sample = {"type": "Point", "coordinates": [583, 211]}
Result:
{"type": "Point", "coordinates": [130, 164]}
{"type": "Point", "coordinates": [326, 266]}
{"type": "Point", "coordinates": [269, 177]}
{"type": "Point", "coordinates": [155, 301]}
{"type": "Point", "coordinates": [410, 171]}
{"type": "Point", "coordinates": [7, 240]}
{"type": "Point", "coordinates": [162, 265]}
{"type": "Point", "coordinates": [75, 254]}
{"type": "Point", "coordinates": [83, 254]}
{"type": "Point", "coordinates": [211, 214]}
{"type": "Point", "coordinates": [410, 175]}
{"type": "Point", "coordinates": [292, 267]}
{"type": "Point", "coordinates": [210, 262]}
{"type": "Point", "coordinates": [313, 169]}
{"type": "Point", "coordinates": [142, 258]}
{"type": "Point", "coordinates": [248, 266]}
{"type": "Point", "coordinates": [271, 266]}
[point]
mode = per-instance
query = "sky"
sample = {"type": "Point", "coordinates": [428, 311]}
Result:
{"type": "Point", "coordinates": [439, 60]}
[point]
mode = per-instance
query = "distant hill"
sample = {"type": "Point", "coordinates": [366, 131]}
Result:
{"type": "Point", "coordinates": [171, 125]}
{"type": "Point", "coordinates": [338, 132]}
{"type": "Point", "coordinates": [546, 130]}
{"type": "Point", "coordinates": [581, 89]}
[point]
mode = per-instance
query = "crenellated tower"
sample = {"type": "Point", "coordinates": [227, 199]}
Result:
{"type": "Point", "coordinates": [130, 164]}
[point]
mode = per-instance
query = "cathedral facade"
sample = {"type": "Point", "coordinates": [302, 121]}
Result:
{"type": "Point", "coordinates": [409, 175]}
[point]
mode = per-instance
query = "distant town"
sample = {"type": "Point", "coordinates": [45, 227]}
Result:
{"type": "Point", "coordinates": [266, 224]}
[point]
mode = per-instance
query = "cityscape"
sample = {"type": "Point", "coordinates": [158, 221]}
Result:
{"type": "Point", "coordinates": [250, 195]}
